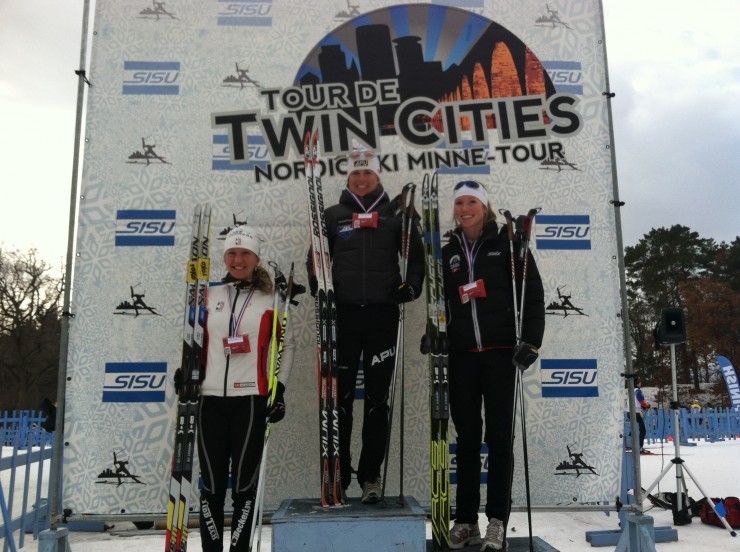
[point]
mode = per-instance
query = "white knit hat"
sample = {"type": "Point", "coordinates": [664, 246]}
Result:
{"type": "Point", "coordinates": [363, 160]}
{"type": "Point", "coordinates": [242, 237]}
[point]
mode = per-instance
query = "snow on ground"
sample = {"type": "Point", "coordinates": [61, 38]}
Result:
{"type": "Point", "coordinates": [713, 464]}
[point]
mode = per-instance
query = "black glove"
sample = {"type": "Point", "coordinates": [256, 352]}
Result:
{"type": "Point", "coordinates": [277, 410]}
{"type": "Point", "coordinates": [524, 355]}
{"type": "Point", "coordinates": [313, 285]}
{"type": "Point", "coordinates": [405, 293]}
{"type": "Point", "coordinates": [178, 380]}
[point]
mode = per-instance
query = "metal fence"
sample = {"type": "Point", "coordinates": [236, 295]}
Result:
{"type": "Point", "coordinates": [25, 458]}
{"type": "Point", "coordinates": [709, 424]}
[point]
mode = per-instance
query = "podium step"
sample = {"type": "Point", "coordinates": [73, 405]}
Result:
{"type": "Point", "coordinates": [302, 525]}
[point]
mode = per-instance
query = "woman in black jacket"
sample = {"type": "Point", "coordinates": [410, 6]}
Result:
{"type": "Point", "coordinates": [364, 231]}
{"type": "Point", "coordinates": [482, 335]}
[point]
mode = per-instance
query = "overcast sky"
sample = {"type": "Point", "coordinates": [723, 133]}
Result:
{"type": "Point", "coordinates": [673, 64]}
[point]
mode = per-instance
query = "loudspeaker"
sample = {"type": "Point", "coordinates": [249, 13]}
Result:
{"type": "Point", "coordinates": [671, 329]}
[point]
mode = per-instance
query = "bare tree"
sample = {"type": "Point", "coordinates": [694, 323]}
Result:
{"type": "Point", "coordinates": [30, 297]}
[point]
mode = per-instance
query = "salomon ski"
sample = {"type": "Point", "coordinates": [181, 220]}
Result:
{"type": "Point", "coordinates": [434, 343]}
{"type": "Point", "coordinates": [326, 329]}
{"type": "Point", "coordinates": [188, 381]}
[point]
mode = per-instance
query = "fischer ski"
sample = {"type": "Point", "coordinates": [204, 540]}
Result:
{"type": "Point", "coordinates": [326, 329]}
{"type": "Point", "coordinates": [191, 374]}
{"type": "Point", "coordinates": [434, 343]}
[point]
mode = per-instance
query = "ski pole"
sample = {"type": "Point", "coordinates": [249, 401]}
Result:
{"type": "Point", "coordinates": [407, 195]}
{"type": "Point", "coordinates": [524, 230]}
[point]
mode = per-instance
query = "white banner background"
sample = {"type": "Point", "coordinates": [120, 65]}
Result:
{"type": "Point", "coordinates": [151, 154]}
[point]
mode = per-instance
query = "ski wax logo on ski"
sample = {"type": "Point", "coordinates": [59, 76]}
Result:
{"type": "Point", "coordinates": [244, 13]}
{"type": "Point", "coordinates": [136, 227]}
{"type": "Point", "coordinates": [134, 382]}
{"type": "Point", "coordinates": [569, 378]}
{"type": "Point", "coordinates": [457, 73]}
{"type": "Point", "coordinates": [563, 232]}
{"type": "Point", "coordinates": [151, 78]}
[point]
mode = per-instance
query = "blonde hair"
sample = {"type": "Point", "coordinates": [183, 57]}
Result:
{"type": "Point", "coordinates": [261, 279]}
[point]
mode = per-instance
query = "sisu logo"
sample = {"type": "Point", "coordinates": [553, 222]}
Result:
{"type": "Point", "coordinates": [145, 227]}
{"type": "Point", "coordinates": [244, 13]}
{"type": "Point", "coordinates": [567, 76]}
{"type": "Point", "coordinates": [569, 378]}
{"type": "Point", "coordinates": [563, 232]}
{"type": "Point", "coordinates": [151, 78]}
{"type": "Point", "coordinates": [259, 154]}
{"type": "Point", "coordinates": [134, 381]}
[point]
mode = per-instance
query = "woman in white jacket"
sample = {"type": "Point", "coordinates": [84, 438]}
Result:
{"type": "Point", "coordinates": [233, 405]}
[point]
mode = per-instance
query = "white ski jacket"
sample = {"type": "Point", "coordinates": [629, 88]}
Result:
{"type": "Point", "coordinates": [246, 312]}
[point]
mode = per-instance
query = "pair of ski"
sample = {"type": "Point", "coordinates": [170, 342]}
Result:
{"type": "Point", "coordinates": [326, 329]}
{"type": "Point", "coordinates": [191, 370]}
{"type": "Point", "coordinates": [434, 343]}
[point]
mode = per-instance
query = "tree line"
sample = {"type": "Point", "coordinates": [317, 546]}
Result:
{"type": "Point", "coordinates": [675, 267]}
{"type": "Point", "coordinates": [669, 267]}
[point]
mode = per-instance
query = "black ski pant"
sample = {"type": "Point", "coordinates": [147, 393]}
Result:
{"type": "Point", "coordinates": [641, 428]}
{"type": "Point", "coordinates": [485, 379]}
{"type": "Point", "coordinates": [369, 332]}
{"type": "Point", "coordinates": [230, 430]}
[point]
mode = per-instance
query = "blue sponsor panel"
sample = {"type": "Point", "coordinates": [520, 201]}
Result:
{"type": "Point", "coordinates": [569, 377]}
{"type": "Point", "coordinates": [135, 381]}
{"type": "Point", "coordinates": [257, 153]}
{"type": "Point", "coordinates": [244, 13]}
{"type": "Point", "coordinates": [158, 78]}
{"type": "Point", "coordinates": [138, 227]}
{"type": "Point", "coordinates": [563, 232]}
{"type": "Point", "coordinates": [483, 462]}
{"type": "Point", "coordinates": [567, 76]}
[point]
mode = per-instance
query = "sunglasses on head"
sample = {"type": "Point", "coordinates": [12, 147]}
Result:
{"type": "Point", "coordinates": [469, 184]}
{"type": "Point", "coordinates": [362, 153]}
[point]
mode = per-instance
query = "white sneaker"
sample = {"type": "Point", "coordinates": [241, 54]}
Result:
{"type": "Point", "coordinates": [494, 539]}
{"type": "Point", "coordinates": [463, 534]}
{"type": "Point", "coordinates": [371, 492]}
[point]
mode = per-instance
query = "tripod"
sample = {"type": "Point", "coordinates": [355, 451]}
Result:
{"type": "Point", "coordinates": [681, 516]}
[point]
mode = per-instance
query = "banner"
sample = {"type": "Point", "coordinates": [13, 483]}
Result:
{"type": "Point", "coordinates": [730, 375]}
{"type": "Point", "coordinates": [208, 101]}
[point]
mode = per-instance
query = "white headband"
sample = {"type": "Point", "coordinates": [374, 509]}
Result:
{"type": "Point", "coordinates": [242, 237]}
{"type": "Point", "coordinates": [478, 193]}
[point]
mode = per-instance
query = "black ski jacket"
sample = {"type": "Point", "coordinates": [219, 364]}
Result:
{"type": "Point", "coordinates": [488, 321]}
{"type": "Point", "coordinates": [365, 261]}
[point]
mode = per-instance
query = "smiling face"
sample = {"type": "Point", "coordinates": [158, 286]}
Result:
{"type": "Point", "coordinates": [362, 182]}
{"type": "Point", "coordinates": [240, 263]}
{"type": "Point", "coordinates": [470, 214]}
